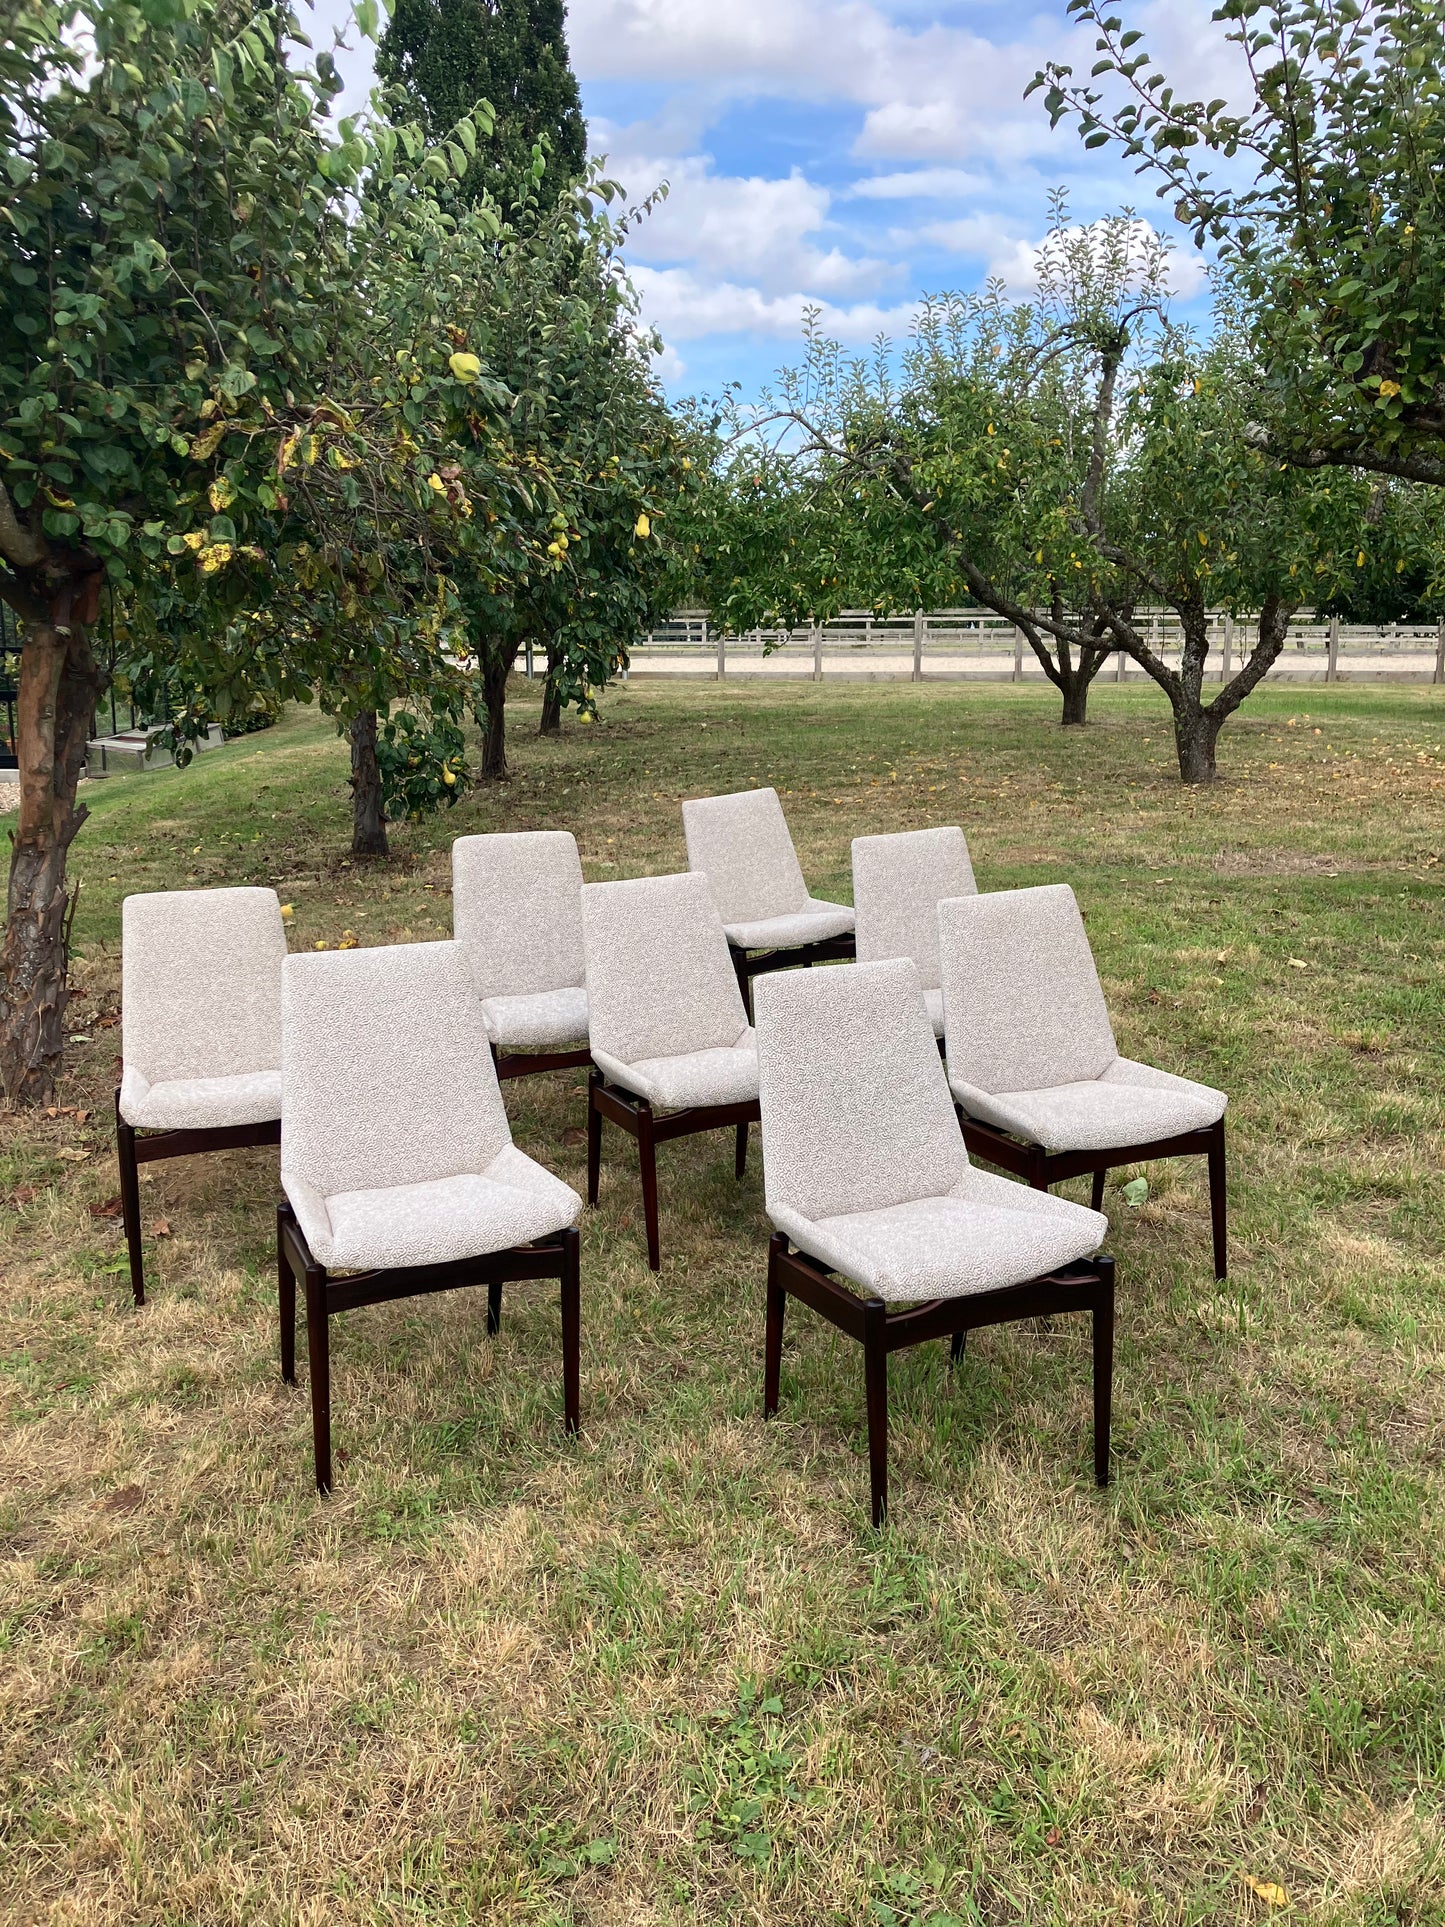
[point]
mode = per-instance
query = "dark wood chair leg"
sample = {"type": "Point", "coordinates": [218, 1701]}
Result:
{"type": "Point", "coordinates": [1038, 1170]}
{"type": "Point", "coordinates": [571, 1331]}
{"type": "Point", "coordinates": [1096, 1196]}
{"type": "Point", "coordinates": [740, 1152]}
{"type": "Point", "coordinates": [957, 1345]}
{"type": "Point", "coordinates": [1103, 1378]}
{"type": "Point", "coordinates": [1218, 1202]}
{"type": "Point", "coordinates": [318, 1349]}
{"type": "Point", "coordinates": [285, 1299]}
{"type": "Point", "coordinates": [494, 1307]}
{"type": "Point", "coordinates": [647, 1159]}
{"type": "Point", "coordinates": [594, 1137]}
{"type": "Point", "coordinates": [773, 1336]}
{"type": "Point", "coordinates": [875, 1372]}
{"type": "Point", "coordinates": [130, 1202]}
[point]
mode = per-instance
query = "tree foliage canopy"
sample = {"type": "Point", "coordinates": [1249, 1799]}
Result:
{"type": "Point", "coordinates": [1322, 184]}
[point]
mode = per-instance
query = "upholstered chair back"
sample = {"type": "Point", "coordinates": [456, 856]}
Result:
{"type": "Point", "coordinates": [386, 1075]}
{"type": "Point", "coordinates": [740, 843]}
{"type": "Point", "coordinates": [201, 983]}
{"type": "Point", "coordinates": [1025, 1007]}
{"type": "Point", "coordinates": [517, 911]}
{"type": "Point", "coordinates": [898, 883]}
{"type": "Point", "coordinates": [660, 981]}
{"type": "Point", "coordinates": [856, 1114]}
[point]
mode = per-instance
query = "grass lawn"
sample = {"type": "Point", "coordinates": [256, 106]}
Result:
{"type": "Point", "coordinates": [670, 1674]}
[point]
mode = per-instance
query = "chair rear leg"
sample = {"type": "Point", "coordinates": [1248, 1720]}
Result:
{"type": "Point", "coordinates": [1218, 1203]}
{"type": "Point", "coordinates": [571, 1331]}
{"type": "Point", "coordinates": [957, 1345]}
{"type": "Point", "coordinates": [130, 1202]}
{"type": "Point", "coordinates": [875, 1373]}
{"type": "Point", "coordinates": [286, 1299]}
{"type": "Point", "coordinates": [647, 1159]}
{"type": "Point", "coordinates": [494, 1307]}
{"type": "Point", "coordinates": [1103, 1377]}
{"type": "Point", "coordinates": [318, 1348]}
{"type": "Point", "coordinates": [1096, 1196]}
{"type": "Point", "coordinates": [773, 1334]}
{"type": "Point", "coordinates": [594, 1138]}
{"type": "Point", "coordinates": [740, 1152]}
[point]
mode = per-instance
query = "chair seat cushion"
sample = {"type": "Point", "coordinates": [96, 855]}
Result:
{"type": "Point", "coordinates": [934, 1001]}
{"type": "Point", "coordinates": [510, 1203]}
{"type": "Point", "coordinates": [727, 1076]}
{"type": "Point", "coordinates": [544, 1020]}
{"type": "Point", "coordinates": [815, 923]}
{"type": "Point", "coordinates": [1130, 1104]}
{"type": "Point", "coordinates": [199, 1103]}
{"type": "Point", "coordinates": [986, 1233]}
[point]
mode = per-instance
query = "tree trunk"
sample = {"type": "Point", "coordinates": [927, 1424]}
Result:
{"type": "Point", "coordinates": [1196, 731]}
{"type": "Point", "coordinates": [60, 682]}
{"type": "Point", "coordinates": [368, 820]}
{"type": "Point", "coordinates": [551, 722]}
{"type": "Point", "coordinates": [496, 667]}
{"type": "Point", "coordinates": [1076, 701]}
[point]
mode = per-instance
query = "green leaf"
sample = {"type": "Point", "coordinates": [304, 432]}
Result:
{"type": "Point", "coordinates": [1136, 1191]}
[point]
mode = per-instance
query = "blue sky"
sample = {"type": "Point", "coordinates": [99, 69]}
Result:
{"type": "Point", "coordinates": [855, 154]}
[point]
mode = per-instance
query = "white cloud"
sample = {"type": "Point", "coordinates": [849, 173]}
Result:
{"type": "Point", "coordinates": [922, 184]}
{"type": "Point", "coordinates": [738, 227]}
{"type": "Point", "coordinates": [1015, 260]}
{"type": "Point", "coordinates": [685, 307]}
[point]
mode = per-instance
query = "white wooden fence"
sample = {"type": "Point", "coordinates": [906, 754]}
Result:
{"type": "Point", "coordinates": [953, 645]}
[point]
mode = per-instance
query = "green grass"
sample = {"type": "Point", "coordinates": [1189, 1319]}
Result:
{"type": "Point", "coordinates": [669, 1675]}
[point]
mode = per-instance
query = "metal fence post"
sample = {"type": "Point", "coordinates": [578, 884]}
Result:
{"type": "Point", "coordinates": [722, 651]}
{"type": "Point", "coordinates": [817, 652]}
{"type": "Point", "coordinates": [529, 659]}
{"type": "Point", "coordinates": [1333, 670]}
{"type": "Point", "coordinates": [1228, 647]}
{"type": "Point", "coordinates": [1440, 650]}
{"type": "Point", "coordinates": [1018, 654]}
{"type": "Point", "coordinates": [918, 621]}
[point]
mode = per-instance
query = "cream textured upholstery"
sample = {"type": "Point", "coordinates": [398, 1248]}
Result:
{"type": "Point", "coordinates": [740, 843]}
{"type": "Point", "coordinates": [864, 1162]}
{"type": "Point", "coordinates": [201, 1008]}
{"type": "Point", "coordinates": [516, 911]}
{"type": "Point", "coordinates": [898, 883]}
{"type": "Point", "coordinates": [667, 1017]}
{"type": "Point", "coordinates": [395, 1147]}
{"type": "Point", "coordinates": [1030, 1046]}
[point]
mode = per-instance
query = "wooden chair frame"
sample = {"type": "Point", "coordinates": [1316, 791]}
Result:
{"type": "Point", "coordinates": [529, 1063]}
{"type": "Point", "coordinates": [1041, 1168]}
{"type": "Point", "coordinates": [1087, 1285]}
{"type": "Point", "coordinates": [554, 1257]}
{"type": "Point", "coordinates": [136, 1146]}
{"type": "Point", "coordinates": [748, 964]}
{"type": "Point", "coordinates": [637, 1117]}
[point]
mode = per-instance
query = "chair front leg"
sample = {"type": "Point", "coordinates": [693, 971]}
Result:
{"type": "Point", "coordinates": [773, 1334]}
{"type": "Point", "coordinates": [647, 1160]}
{"type": "Point", "coordinates": [957, 1345]}
{"type": "Point", "coordinates": [1218, 1202]}
{"type": "Point", "coordinates": [1096, 1196]}
{"type": "Point", "coordinates": [130, 1202]}
{"type": "Point", "coordinates": [1103, 1369]}
{"type": "Point", "coordinates": [875, 1373]}
{"type": "Point", "coordinates": [571, 1330]}
{"type": "Point", "coordinates": [494, 1307]}
{"type": "Point", "coordinates": [594, 1137]}
{"type": "Point", "coordinates": [285, 1298]}
{"type": "Point", "coordinates": [318, 1348]}
{"type": "Point", "coordinates": [740, 1153]}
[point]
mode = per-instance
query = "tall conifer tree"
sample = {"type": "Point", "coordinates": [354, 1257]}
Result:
{"type": "Point", "coordinates": [449, 54]}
